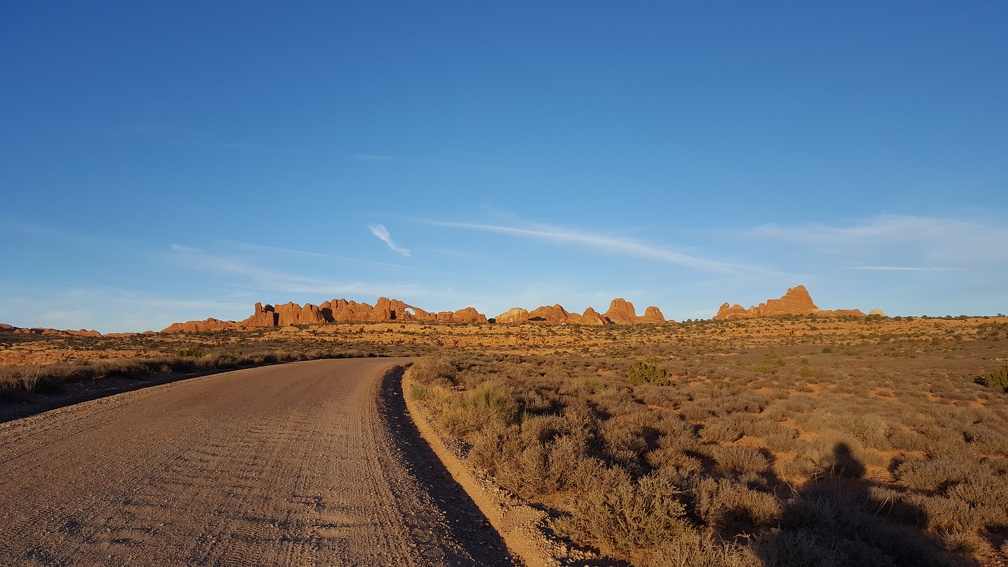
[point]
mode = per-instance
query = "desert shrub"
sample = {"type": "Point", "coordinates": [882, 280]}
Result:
{"type": "Point", "coordinates": [693, 549]}
{"type": "Point", "coordinates": [725, 428]}
{"type": "Point", "coordinates": [420, 393]}
{"type": "Point", "coordinates": [787, 548]}
{"type": "Point", "coordinates": [433, 369]}
{"type": "Point", "coordinates": [541, 455]}
{"type": "Point", "coordinates": [784, 440]}
{"type": "Point", "coordinates": [944, 513]}
{"type": "Point", "coordinates": [26, 378]}
{"type": "Point", "coordinates": [651, 372]}
{"type": "Point", "coordinates": [628, 437]}
{"type": "Point", "coordinates": [739, 460]}
{"type": "Point", "coordinates": [468, 412]}
{"type": "Point", "coordinates": [987, 496]}
{"type": "Point", "coordinates": [812, 511]}
{"type": "Point", "coordinates": [965, 542]}
{"type": "Point", "coordinates": [895, 506]}
{"type": "Point", "coordinates": [871, 430]}
{"type": "Point", "coordinates": [675, 465]}
{"type": "Point", "coordinates": [996, 379]}
{"type": "Point", "coordinates": [838, 455]}
{"type": "Point", "coordinates": [906, 439]}
{"type": "Point", "coordinates": [724, 504]}
{"type": "Point", "coordinates": [935, 474]}
{"type": "Point", "coordinates": [628, 516]}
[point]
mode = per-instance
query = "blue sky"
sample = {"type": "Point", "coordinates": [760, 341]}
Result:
{"type": "Point", "coordinates": [179, 162]}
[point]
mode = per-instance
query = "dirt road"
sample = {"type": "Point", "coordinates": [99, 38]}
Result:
{"type": "Point", "coordinates": [313, 463]}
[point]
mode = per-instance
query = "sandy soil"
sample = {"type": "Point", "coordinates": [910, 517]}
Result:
{"type": "Point", "coordinates": [312, 463]}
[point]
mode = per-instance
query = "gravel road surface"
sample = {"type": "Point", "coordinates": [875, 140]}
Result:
{"type": "Point", "coordinates": [313, 463]}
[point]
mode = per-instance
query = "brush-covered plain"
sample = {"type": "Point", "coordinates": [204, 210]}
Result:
{"type": "Point", "coordinates": [783, 441]}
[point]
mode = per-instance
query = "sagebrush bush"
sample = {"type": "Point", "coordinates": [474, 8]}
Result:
{"type": "Point", "coordinates": [740, 461]}
{"type": "Point", "coordinates": [433, 369]}
{"type": "Point", "coordinates": [734, 507]}
{"type": "Point", "coordinates": [693, 549]}
{"type": "Point", "coordinates": [933, 475]}
{"type": "Point", "coordinates": [641, 372]}
{"type": "Point", "coordinates": [627, 516]}
{"type": "Point", "coordinates": [469, 411]}
{"type": "Point", "coordinates": [997, 378]}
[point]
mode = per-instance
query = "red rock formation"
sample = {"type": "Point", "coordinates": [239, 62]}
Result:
{"type": "Point", "coordinates": [555, 314]}
{"type": "Point", "coordinates": [5, 328]}
{"type": "Point", "coordinates": [592, 317]}
{"type": "Point", "coordinates": [385, 309]}
{"type": "Point", "coordinates": [210, 324]}
{"type": "Point", "coordinates": [513, 315]}
{"type": "Point", "coordinates": [468, 315]}
{"type": "Point", "coordinates": [652, 315]}
{"type": "Point", "coordinates": [621, 312]}
{"type": "Point", "coordinates": [796, 301]}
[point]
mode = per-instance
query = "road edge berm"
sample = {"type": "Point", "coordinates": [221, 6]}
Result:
{"type": "Point", "coordinates": [522, 527]}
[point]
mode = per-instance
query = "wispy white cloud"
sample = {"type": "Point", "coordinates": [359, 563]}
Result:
{"type": "Point", "coordinates": [904, 243]}
{"type": "Point", "coordinates": [262, 278]}
{"type": "Point", "coordinates": [900, 269]}
{"type": "Point", "coordinates": [607, 244]}
{"type": "Point", "coordinates": [382, 233]}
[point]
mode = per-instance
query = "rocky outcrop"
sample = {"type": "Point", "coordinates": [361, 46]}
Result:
{"type": "Point", "coordinates": [592, 317]}
{"type": "Point", "coordinates": [513, 315]}
{"type": "Point", "coordinates": [5, 328]}
{"type": "Point", "coordinates": [210, 324]}
{"type": "Point", "coordinates": [652, 315]}
{"type": "Point", "coordinates": [554, 314]}
{"type": "Point", "coordinates": [468, 315]}
{"type": "Point", "coordinates": [796, 301]}
{"type": "Point", "coordinates": [333, 311]}
{"type": "Point", "coordinates": [621, 312]}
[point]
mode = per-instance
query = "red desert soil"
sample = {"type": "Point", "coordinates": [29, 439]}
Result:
{"type": "Point", "coordinates": [307, 463]}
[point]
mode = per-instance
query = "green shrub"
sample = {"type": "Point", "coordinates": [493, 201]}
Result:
{"type": "Point", "coordinates": [641, 372]}
{"type": "Point", "coordinates": [996, 379]}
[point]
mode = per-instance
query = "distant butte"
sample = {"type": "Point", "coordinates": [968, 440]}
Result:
{"type": "Point", "coordinates": [796, 301]}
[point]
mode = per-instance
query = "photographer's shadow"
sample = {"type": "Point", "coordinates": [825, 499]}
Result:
{"type": "Point", "coordinates": [835, 519]}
